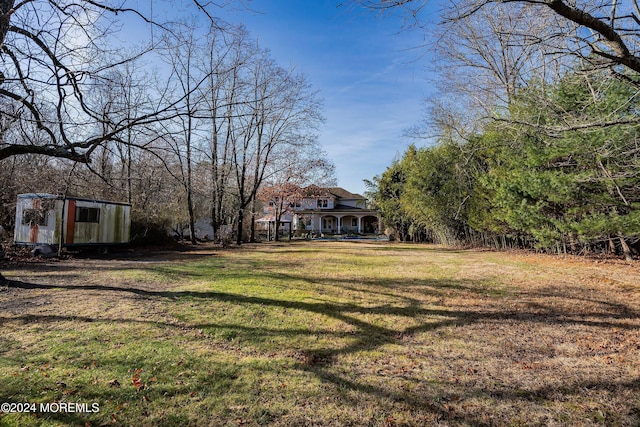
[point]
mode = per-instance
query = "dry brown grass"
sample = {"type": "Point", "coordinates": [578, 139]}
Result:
{"type": "Point", "coordinates": [325, 334]}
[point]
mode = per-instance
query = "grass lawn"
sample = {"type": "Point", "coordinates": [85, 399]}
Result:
{"type": "Point", "coordinates": [323, 333]}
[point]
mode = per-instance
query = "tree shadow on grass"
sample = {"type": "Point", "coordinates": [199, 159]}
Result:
{"type": "Point", "coordinates": [367, 336]}
{"type": "Point", "coordinates": [411, 308]}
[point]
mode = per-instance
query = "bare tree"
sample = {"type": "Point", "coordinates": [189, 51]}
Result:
{"type": "Point", "coordinates": [487, 50]}
{"type": "Point", "coordinates": [604, 29]}
{"type": "Point", "coordinates": [482, 60]}
{"type": "Point", "coordinates": [282, 109]}
{"type": "Point", "coordinates": [52, 55]}
{"type": "Point", "coordinates": [221, 98]}
{"type": "Point", "coordinates": [182, 55]}
{"type": "Point", "coordinates": [128, 92]}
{"type": "Point", "coordinates": [487, 56]}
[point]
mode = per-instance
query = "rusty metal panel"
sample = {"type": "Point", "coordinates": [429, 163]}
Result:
{"type": "Point", "coordinates": [38, 219]}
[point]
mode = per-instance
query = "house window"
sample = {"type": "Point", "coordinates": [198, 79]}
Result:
{"type": "Point", "coordinates": [35, 217]}
{"type": "Point", "coordinates": [354, 222]}
{"type": "Point", "coordinates": [87, 215]}
{"type": "Point", "coordinates": [323, 203]}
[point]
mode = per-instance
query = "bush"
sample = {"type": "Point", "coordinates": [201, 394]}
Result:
{"type": "Point", "coordinates": [149, 233]}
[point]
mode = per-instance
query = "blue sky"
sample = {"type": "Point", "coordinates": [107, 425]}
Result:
{"type": "Point", "coordinates": [372, 82]}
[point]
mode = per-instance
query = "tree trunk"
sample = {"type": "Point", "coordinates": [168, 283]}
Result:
{"type": "Point", "coordinates": [276, 233]}
{"type": "Point", "coordinates": [572, 243]}
{"type": "Point", "coordinates": [214, 224]}
{"type": "Point", "coordinates": [129, 173]}
{"type": "Point", "coordinates": [240, 227]}
{"type": "Point", "coordinates": [625, 248]}
{"type": "Point", "coordinates": [252, 235]}
{"type": "Point", "coordinates": [192, 222]}
{"type": "Point", "coordinates": [6, 6]}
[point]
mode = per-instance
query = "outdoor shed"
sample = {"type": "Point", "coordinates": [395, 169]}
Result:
{"type": "Point", "coordinates": [50, 220]}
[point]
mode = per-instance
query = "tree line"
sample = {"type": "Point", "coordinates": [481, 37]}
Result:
{"type": "Point", "coordinates": [534, 141]}
{"type": "Point", "coordinates": [185, 118]}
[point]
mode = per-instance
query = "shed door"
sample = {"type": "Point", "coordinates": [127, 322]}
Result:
{"type": "Point", "coordinates": [71, 221]}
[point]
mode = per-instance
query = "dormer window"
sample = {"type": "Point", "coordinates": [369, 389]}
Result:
{"type": "Point", "coordinates": [323, 203]}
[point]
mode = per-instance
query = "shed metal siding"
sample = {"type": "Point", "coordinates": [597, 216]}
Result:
{"type": "Point", "coordinates": [34, 233]}
{"type": "Point", "coordinates": [113, 227]}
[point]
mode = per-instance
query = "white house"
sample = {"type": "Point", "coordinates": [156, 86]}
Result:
{"type": "Point", "coordinates": [331, 210]}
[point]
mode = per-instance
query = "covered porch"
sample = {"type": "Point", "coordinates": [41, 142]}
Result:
{"type": "Point", "coordinates": [345, 223]}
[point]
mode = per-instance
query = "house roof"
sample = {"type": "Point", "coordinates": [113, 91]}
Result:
{"type": "Point", "coordinates": [341, 193]}
{"type": "Point", "coordinates": [341, 207]}
{"type": "Point", "coordinates": [337, 192]}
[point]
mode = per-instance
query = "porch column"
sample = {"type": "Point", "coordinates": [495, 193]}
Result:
{"type": "Point", "coordinates": [359, 225]}
{"type": "Point", "coordinates": [379, 224]}
{"type": "Point", "coordinates": [339, 224]}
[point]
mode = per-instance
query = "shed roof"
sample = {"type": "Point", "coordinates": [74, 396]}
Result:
{"type": "Point", "coordinates": [60, 197]}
